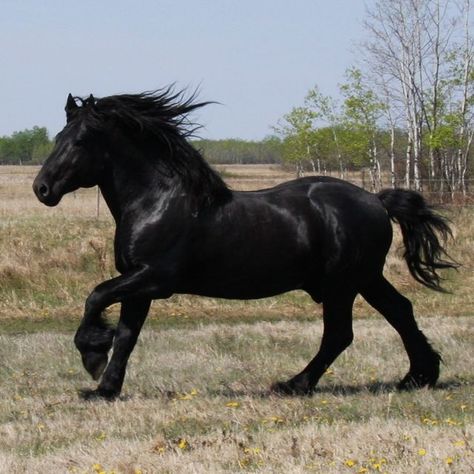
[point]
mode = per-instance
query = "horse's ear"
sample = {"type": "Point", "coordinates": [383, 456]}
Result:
{"type": "Point", "coordinates": [89, 102]}
{"type": "Point", "coordinates": [71, 106]}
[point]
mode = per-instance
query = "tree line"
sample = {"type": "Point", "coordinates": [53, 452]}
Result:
{"type": "Point", "coordinates": [32, 146]}
{"type": "Point", "coordinates": [235, 151]}
{"type": "Point", "coordinates": [406, 109]}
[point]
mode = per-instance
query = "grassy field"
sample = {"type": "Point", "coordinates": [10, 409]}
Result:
{"type": "Point", "coordinates": [196, 395]}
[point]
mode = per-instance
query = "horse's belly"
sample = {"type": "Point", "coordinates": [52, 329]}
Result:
{"type": "Point", "coordinates": [246, 280]}
{"type": "Point", "coordinates": [239, 290]}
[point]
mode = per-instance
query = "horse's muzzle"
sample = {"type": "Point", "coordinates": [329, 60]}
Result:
{"type": "Point", "coordinates": [44, 193]}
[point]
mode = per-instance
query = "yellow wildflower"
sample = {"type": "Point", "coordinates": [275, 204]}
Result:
{"type": "Point", "coordinates": [182, 443]}
{"type": "Point", "coordinates": [350, 463]}
{"type": "Point", "coordinates": [451, 422]}
{"type": "Point", "coordinates": [185, 396]}
{"type": "Point", "coordinates": [232, 404]}
{"type": "Point", "coordinates": [449, 460]}
{"type": "Point", "coordinates": [422, 452]}
{"type": "Point", "coordinates": [255, 451]}
{"type": "Point", "coordinates": [160, 447]}
{"type": "Point", "coordinates": [429, 421]}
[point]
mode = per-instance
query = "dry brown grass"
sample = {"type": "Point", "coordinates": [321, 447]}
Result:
{"type": "Point", "coordinates": [51, 258]}
{"type": "Point", "coordinates": [195, 398]}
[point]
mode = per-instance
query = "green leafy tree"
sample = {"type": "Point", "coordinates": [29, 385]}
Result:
{"type": "Point", "coordinates": [325, 111]}
{"type": "Point", "coordinates": [362, 111]}
{"type": "Point", "coordinates": [297, 131]}
{"type": "Point", "coordinates": [25, 147]}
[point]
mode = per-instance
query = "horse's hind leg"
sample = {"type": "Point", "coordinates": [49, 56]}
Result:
{"type": "Point", "coordinates": [398, 310]}
{"type": "Point", "coordinates": [337, 336]}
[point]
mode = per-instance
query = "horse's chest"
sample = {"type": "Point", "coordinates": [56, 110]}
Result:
{"type": "Point", "coordinates": [150, 248]}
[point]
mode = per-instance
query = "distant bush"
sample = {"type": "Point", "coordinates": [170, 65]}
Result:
{"type": "Point", "coordinates": [235, 151]}
{"type": "Point", "coordinates": [30, 146]}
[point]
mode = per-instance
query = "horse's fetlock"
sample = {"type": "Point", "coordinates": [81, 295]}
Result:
{"type": "Point", "coordinates": [94, 338]}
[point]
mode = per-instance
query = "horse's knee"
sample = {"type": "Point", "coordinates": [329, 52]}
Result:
{"type": "Point", "coordinates": [93, 302]}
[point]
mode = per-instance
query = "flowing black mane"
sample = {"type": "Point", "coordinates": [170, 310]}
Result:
{"type": "Point", "coordinates": [161, 116]}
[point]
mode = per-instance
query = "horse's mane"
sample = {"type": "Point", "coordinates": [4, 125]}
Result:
{"type": "Point", "coordinates": [161, 115]}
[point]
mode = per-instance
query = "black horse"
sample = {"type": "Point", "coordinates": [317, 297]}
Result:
{"type": "Point", "coordinates": [180, 229]}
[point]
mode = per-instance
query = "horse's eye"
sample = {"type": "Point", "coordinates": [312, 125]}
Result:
{"type": "Point", "coordinates": [79, 142]}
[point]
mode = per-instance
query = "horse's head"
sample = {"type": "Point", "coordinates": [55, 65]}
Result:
{"type": "Point", "coordinates": [128, 140]}
{"type": "Point", "coordinates": [77, 157]}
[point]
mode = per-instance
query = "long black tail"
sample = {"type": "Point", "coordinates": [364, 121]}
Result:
{"type": "Point", "coordinates": [421, 228]}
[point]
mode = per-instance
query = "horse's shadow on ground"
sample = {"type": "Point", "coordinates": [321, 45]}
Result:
{"type": "Point", "coordinates": [375, 388]}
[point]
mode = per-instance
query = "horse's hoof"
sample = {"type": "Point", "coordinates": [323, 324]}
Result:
{"type": "Point", "coordinates": [95, 363]}
{"type": "Point", "coordinates": [282, 388]}
{"type": "Point", "coordinates": [291, 388]}
{"type": "Point", "coordinates": [98, 394]}
{"type": "Point", "coordinates": [414, 381]}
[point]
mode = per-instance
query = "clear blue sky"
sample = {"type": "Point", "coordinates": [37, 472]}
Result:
{"type": "Point", "coordinates": [257, 57]}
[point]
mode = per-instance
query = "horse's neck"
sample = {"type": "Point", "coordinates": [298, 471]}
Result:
{"type": "Point", "coordinates": [133, 180]}
{"type": "Point", "coordinates": [126, 189]}
{"type": "Point", "coordinates": [111, 198]}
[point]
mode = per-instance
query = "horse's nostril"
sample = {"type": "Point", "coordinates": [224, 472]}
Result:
{"type": "Point", "coordinates": [43, 190]}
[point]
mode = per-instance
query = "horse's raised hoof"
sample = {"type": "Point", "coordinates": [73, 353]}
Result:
{"type": "Point", "coordinates": [95, 363]}
{"type": "Point", "coordinates": [98, 394]}
{"type": "Point", "coordinates": [293, 387]}
{"type": "Point", "coordinates": [414, 381]}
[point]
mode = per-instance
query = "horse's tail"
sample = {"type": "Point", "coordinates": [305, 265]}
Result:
{"type": "Point", "coordinates": [421, 229]}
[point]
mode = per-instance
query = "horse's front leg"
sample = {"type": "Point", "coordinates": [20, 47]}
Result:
{"type": "Point", "coordinates": [94, 338]}
{"type": "Point", "coordinates": [132, 316]}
